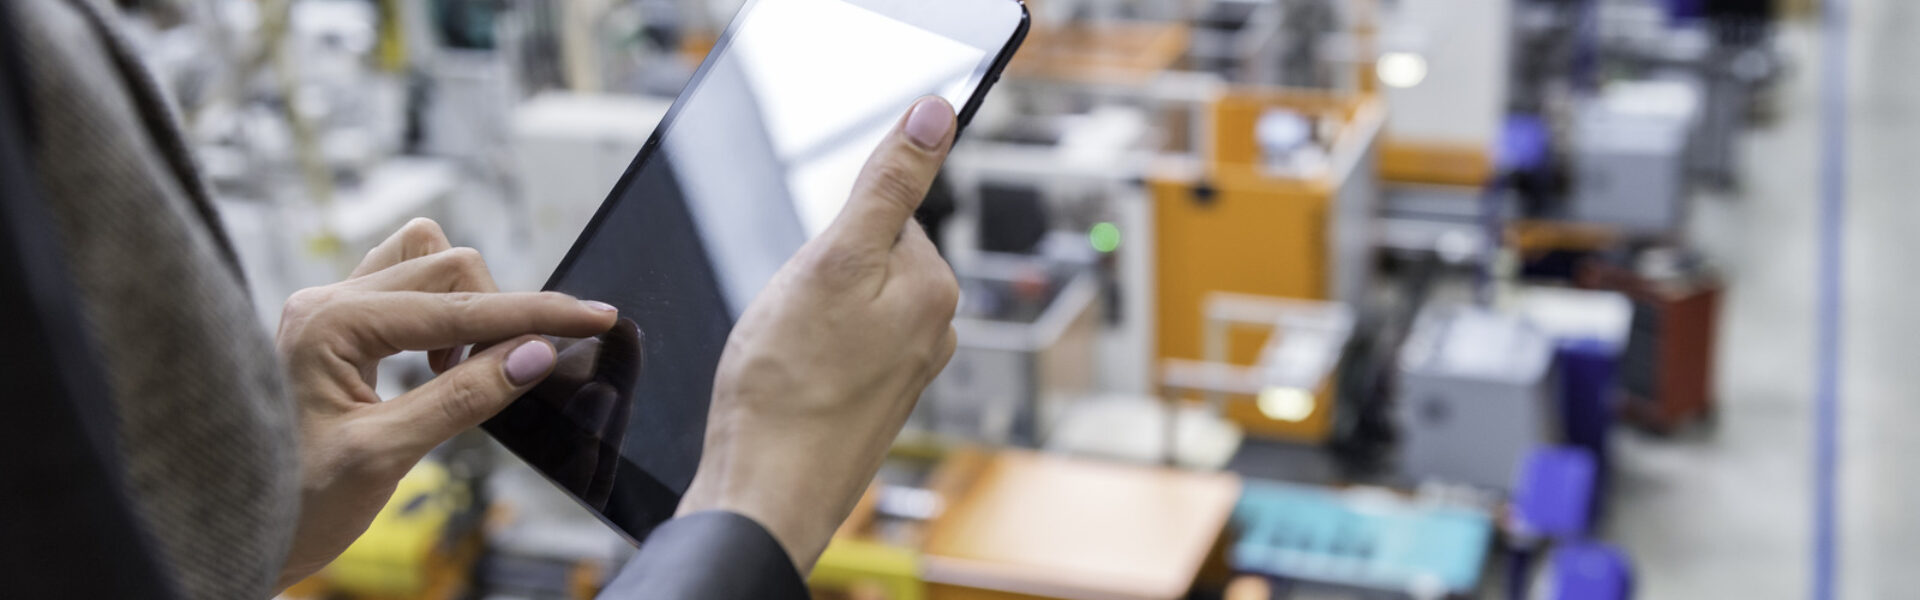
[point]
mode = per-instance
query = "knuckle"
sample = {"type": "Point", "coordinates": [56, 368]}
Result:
{"type": "Point", "coordinates": [943, 351]}
{"type": "Point", "coordinates": [554, 303]}
{"type": "Point", "coordinates": [464, 263]}
{"type": "Point", "coordinates": [932, 297]}
{"type": "Point", "coordinates": [307, 304]}
{"type": "Point", "coordinates": [943, 293]}
{"type": "Point", "coordinates": [813, 256]}
{"type": "Point", "coordinates": [931, 358]}
{"type": "Point", "coordinates": [899, 180]}
{"type": "Point", "coordinates": [464, 257]}
{"type": "Point", "coordinates": [422, 232]}
{"type": "Point", "coordinates": [305, 299]}
{"type": "Point", "coordinates": [837, 265]}
{"type": "Point", "coordinates": [465, 400]}
{"type": "Point", "coordinates": [462, 304]}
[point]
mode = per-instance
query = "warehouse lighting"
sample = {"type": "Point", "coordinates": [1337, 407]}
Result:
{"type": "Point", "coordinates": [1401, 69]}
{"type": "Point", "coordinates": [1288, 404]}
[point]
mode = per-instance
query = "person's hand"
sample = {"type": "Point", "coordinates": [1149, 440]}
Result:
{"type": "Point", "coordinates": [412, 292]}
{"type": "Point", "coordinates": [586, 402]}
{"type": "Point", "coordinates": [826, 363]}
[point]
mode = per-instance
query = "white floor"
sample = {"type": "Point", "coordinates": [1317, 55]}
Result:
{"type": "Point", "coordinates": [1726, 512]}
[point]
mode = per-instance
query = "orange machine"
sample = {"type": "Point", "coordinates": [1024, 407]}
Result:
{"type": "Point", "coordinates": [1291, 384]}
{"type": "Point", "coordinates": [1229, 223]}
{"type": "Point", "coordinates": [1127, 53]}
{"type": "Point", "coordinates": [1435, 163]}
{"type": "Point", "coordinates": [1017, 525]}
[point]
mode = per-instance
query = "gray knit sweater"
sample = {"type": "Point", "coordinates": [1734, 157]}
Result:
{"type": "Point", "coordinates": [202, 414]}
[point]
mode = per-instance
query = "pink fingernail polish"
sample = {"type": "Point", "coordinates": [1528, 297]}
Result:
{"type": "Point", "coordinates": [528, 362]}
{"type": "Point", "coordinates": [929, 121]}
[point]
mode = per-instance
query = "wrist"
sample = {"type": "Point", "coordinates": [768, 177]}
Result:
{"type": "Point", "coordinates": [785, 532]}
{"type": "Point", "coordinates": [785, 514]}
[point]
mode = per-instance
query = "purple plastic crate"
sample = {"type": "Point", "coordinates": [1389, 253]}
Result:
{"type": "Point", "coordinates": [1591, 571]}
{"type": "Point", "coordinates": [1554, 496]}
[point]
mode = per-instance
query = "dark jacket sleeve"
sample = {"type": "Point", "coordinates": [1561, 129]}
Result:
{"type": "Point", "coordinates": [710, 555]}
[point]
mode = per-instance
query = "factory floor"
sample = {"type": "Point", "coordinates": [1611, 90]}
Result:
{"type": "Point", "coordinates": [1725, 511]}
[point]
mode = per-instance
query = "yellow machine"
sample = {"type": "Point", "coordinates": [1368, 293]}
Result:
{"type": "Point", "coordinates": [1233, 223]}
{"type": "Point", "coordinates": [408, 551]}
{"type": "Point", "coordinates": [863, 568]}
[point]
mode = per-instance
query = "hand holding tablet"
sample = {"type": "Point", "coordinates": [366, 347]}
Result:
{"type": "Point", "coordinates": [825, 366]}
{"type": "Point", "coordinates": [755, 159]}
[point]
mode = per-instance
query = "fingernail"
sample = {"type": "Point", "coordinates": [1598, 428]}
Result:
{"type": "Point", "coordinates": [928, 122]}
{"type": "Point", "coordinates": [599, 306]}
{"type": "Point", "coordinates": [528, 362]}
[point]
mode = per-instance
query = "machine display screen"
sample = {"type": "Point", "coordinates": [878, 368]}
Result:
{"type": "Point", "coordinates": [757, 155]}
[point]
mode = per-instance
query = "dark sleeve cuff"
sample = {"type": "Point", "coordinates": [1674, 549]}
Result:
{"type": "Point", "coordinates": [718, 555]}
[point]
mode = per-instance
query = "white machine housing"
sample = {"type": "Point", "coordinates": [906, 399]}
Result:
{"type": "Point", "coordinates": [569, 150]}
{"type": "Point", "coordinates": [1630, 155]}
{"type": "Point", "coordinates": [1464, 47]}
{"type": "Point", "coordinates": [1475, 395]}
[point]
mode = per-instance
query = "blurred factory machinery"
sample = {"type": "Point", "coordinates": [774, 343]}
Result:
{"type": "Point", "coordinates": [1260, 298]}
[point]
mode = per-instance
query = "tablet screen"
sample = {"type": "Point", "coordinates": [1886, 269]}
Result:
{"type": "Point", "coordinates": [757, 155]}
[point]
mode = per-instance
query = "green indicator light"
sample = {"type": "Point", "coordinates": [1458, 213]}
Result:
{"type": "Point", "coordinates": [1105, 237]}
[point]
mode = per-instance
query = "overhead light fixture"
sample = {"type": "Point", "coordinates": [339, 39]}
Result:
{"type": "Point", "coordinates": [1288, 404]}
{"type": "Point", "coordinates": [1401, 69]}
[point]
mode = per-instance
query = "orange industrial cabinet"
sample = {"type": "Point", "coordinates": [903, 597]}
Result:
{"type": "Point", "coordinates": [1232, 238]}
{"type": "Point", "coordinates": [1020, 525]}
{"type": "Point", "coordinates": [1226, 223]}
{"type": "Point", "coordinates": [1435, 163]}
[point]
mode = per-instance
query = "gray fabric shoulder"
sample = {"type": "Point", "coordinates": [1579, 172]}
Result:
{"type": "Point", "coordinates": [160, 117]}
{"type": "Point", "coordinates": [203, 417]}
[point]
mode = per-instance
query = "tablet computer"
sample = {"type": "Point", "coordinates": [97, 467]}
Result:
{"type": "Point", "coordinates": [757, 155]}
